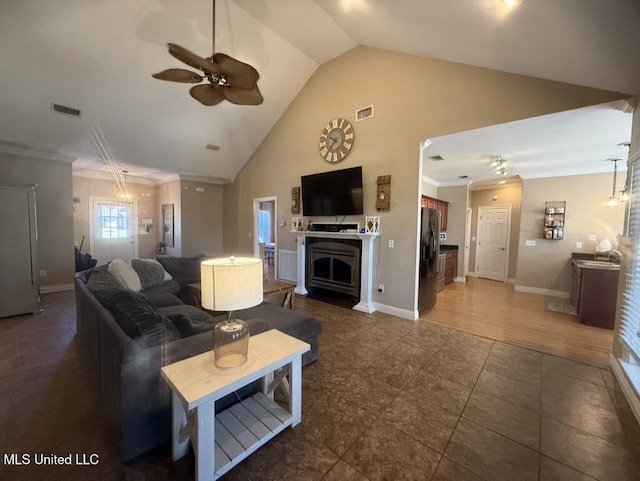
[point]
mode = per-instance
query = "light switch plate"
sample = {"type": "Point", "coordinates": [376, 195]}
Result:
{"type": "Point", "coordinates": [578, 245]}
{"type": "Point", "coordinates": [530, 243]}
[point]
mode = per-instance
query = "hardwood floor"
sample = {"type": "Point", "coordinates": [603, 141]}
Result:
{"type": "Point", "coordinates": [495, 310]}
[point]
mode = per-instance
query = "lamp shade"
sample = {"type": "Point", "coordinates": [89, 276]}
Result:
{"type": "Point", "coordinates": [229, 284]}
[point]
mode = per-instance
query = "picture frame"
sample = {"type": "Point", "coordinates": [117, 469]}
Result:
{"type": "Point", "coordinates": [146, 224]}
{"type": "Point", "coordinates": [167, 225]}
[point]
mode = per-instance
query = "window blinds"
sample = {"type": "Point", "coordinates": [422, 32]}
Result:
{"type": "Point", "coordinates": [630, 308]}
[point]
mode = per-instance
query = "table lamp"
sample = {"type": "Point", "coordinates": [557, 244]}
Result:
{"type": "Point", "coordinates": [230, 284]}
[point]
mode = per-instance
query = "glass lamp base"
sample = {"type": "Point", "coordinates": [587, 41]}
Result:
{"type": "Point", "coordinates": [230, 343]}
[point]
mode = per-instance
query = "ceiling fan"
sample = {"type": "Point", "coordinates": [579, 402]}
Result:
{"type": "Point", "coordinates": [227, 78]}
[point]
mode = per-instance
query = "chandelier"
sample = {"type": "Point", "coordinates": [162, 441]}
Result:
{"type": "Point", "coordinates": [500, 165]}
{"type": "Point", "coordinates": [612, 201]}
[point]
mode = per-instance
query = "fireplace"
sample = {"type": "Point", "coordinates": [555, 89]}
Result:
{"type": "Point", "coordinates": [334, 265]}
{"type": "Point", "coordinates": [364, 243]}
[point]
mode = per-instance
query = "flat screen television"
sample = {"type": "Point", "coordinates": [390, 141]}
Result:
{"type": "Point", "coordinates": [338, 192]}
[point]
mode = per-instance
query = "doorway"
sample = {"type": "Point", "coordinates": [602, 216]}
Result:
{"type": "Point", "coordinates": [264, 233]}
{"type": "Point", "coordinates": [492, 245]}
{"type": "Point", "coordinates": [112, 229]}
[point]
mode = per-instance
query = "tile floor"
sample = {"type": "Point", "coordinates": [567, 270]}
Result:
{"type": "Point", "coordinates": [387, 400]}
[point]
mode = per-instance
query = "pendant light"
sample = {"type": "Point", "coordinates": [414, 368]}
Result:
{"type": "Point", "coordinates": [612, 201]}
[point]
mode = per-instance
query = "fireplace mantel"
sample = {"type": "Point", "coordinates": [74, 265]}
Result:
{"type": "Point", "coordinates": [366, 264]}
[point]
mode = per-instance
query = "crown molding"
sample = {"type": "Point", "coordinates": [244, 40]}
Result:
{"type": "Point", "coordinates": [24, 151]}
{"type": "Point", "coordinates": [206, 180]}
{"type": "Point", "coordinates": [430, 181]}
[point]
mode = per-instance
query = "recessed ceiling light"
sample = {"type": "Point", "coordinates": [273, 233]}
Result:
{"type": "Point", "coordinates": [510, 3]}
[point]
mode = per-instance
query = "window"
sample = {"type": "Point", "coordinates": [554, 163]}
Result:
{"type": "Point", "coordinates": [630, 305]}
{"type": "Point", "coordinates": [264, 226]}
{"type": "Point", "coordinates": [114, 221]}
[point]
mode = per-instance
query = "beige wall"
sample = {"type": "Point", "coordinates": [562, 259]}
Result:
{"type": "Point", "coordinates": [429, 190]}
{"type": "Point", "coordinates": [54, 206]}
{"type": "Point", "coordinates": [425, 98]}
{"type": "Point", "coordinates": [201, 218]}
{"type": "Point", "coordinates": [456, 219]}
{"type": "Point", "coordinates": [146, 203]}
{"type": "Point", "coordinates": [547, 264]}
{"type": "Point", "coordinates": [505, 196]}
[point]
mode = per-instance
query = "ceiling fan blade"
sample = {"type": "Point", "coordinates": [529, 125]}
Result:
{"type": "Point", "coordinates": [242, 96]}
{"type": "Point", "coordinates": [192, 59]}
{"type": "Point", "coordinates": [207, 94]}
{"type": "Point", "coordinates": [178, 75]}
{"type": "Point", "coordinates": [237, 73]}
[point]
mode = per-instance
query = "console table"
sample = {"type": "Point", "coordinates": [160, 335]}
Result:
{"type": "Point", "coordinates": [220, 441]}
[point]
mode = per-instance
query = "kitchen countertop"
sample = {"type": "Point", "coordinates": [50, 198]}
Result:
{"type": "Point", "coordinates": [589, 261]}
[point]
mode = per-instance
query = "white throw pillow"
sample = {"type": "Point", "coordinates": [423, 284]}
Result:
{"type": "Point", "coordinates": [127, 276]}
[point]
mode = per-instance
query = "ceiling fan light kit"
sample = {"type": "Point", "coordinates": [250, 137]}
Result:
{"type": "Point", "coordinates": [227, 78]}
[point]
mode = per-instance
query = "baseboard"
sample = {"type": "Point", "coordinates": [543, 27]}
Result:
{"type": "Point", "coordinates": [627, 389]}
{"type": "Point", "coordinates": [460, 279]}
{"type": "Point", "coordinates": [396, 311]}
{"type": "Point", "coordinates": [543, 292]}
{"type": "Point", "coordinates": [512, 281]}
{"type": "Point", "coordinates": [56, 288]}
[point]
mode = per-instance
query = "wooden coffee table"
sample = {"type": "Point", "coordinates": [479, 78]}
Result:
{"type": "Point", "coordinates": [273, 287]}
{"type": "Point", "coordinates": [269, 288]}
{"type": "Point", "coordinates": [220, 441]}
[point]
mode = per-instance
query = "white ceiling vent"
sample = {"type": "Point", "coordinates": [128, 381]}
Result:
{"type": "Point", "coordinates": [364, 113]}
{"type": "Point", "coordinates": [63, 109]}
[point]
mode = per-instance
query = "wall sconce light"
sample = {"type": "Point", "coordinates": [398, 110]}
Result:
{"type": "Point", "coordinates": [383, 196]}
{"type": "Point", "coordinates": [295, 200]}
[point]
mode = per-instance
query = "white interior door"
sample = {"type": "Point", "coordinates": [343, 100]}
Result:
{"type": "Point", "coordinates": [113, 230]}
{"type": "Point", "coordinates": [492, 248]}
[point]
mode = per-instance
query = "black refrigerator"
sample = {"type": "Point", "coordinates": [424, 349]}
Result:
{"type": "Point", "coordinates": [428, 261]}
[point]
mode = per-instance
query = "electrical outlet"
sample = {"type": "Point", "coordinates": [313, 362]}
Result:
{"type": "Point", "coordinates": [390, 243]}
{"type": "Point", "coordinates": [380, 287]}
{"type": "Point", "coordinates": [593, 237]}
{"type": "Point", "coordinates": [578, 245]}
{"type": "Point", "coordinates": [43, 273]}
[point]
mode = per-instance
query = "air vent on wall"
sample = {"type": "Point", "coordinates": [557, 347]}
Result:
{"type": "Point", "coordinates": [63, 109]}
{"type": "Point", "coordinates": [364, 113]}
{"type": "Point", "coordinates": [436, 158]}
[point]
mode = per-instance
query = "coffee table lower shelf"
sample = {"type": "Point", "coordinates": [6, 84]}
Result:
{"type": "Point", "coordinates": [244, 427]}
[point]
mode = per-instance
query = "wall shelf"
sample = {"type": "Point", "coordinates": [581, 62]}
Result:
{"type": "Point", "coordinates": [554, 216]}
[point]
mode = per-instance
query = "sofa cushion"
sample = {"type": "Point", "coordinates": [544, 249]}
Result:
{"type": "Point", "coordinates": [190, 321]}
{"type": "Point", "coordinates": [137, 317]}
{"type": "Point", "coordinates": [100, 278]}
{"type": "Point", "coordinates": [150, 272]}
{"type": "Point", "coordinates": [125, 274]}
{"type": "Point", "coordinates": [161, 298]}
{"type": "Point", "coordinates": [185, 270]}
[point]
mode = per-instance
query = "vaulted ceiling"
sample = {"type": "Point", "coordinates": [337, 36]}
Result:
{"type": "Point", "coordinates": [98, 57]}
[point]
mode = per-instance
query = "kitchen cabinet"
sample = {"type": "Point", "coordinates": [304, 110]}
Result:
{"type": "Point", "coordinates": [594, 293]}
{"type": "Point", "coordinates": [554, 213]}
{"type": "Point", "coordinates": [451, 266]}
{"type": "Point", "coordinates": [440, 205]}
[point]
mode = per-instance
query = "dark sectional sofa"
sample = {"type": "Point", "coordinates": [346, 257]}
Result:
{"type": "Point", "coordinates": [127, 336]}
